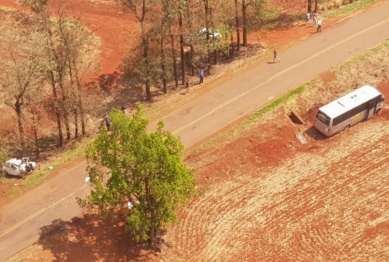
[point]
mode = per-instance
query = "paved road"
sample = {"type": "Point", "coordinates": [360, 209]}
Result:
{"type": "Point", "coordinates": [20, 223]}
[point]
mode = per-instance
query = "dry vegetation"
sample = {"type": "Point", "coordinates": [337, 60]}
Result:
{"type": "Point", "coordinates": [267, 197]}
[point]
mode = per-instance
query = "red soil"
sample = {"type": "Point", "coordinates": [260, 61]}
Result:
{"type": "Point", "coordinates": [253, 209]}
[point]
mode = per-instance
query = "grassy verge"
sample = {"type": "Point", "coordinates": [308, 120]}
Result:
{"type": "Point", "coordinates": [250, 122]}
{"type": "Point", "coordinates": [371, 67]}
{"type": "Point", "coordinates": [78, 149]}
{"type": "Point", "coordinates": [6, 9]}
{"type": "Point", "coordinates": [64, 157]}
{"type": "Point", "coordinates": [350, 8]}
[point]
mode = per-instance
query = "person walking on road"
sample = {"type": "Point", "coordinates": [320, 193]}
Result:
{"type": "Point", "coordinates": [319, 23]}
{"type": "Point", "coordinates": [275, 56]}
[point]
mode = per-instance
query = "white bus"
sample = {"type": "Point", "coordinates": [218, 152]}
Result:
{"type": "Point", "coordinates": [348, 110]}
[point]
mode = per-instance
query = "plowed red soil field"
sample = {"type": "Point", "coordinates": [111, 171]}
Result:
{"type": "Point", "coordinates": [323, 201]}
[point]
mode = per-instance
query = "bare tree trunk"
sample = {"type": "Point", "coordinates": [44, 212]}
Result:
{"type": "Point", "coordinates": [315, 6]}
{"type": "Point", "coordinates": [79, 98]}
{"type": "Point", "coordinates": [56, 109]}
{"type": "Point", "coordinates": [35, 131]}
{"type": "Point", "coordinates": [237, 26]}
{"type": "Point", "coordinates": [18, 109]}
{"type": "Point", "coordinates": [244, 17]}
{"type": "Point", "coordinates": [75, 123]}
{"type": "Point", "coordinates": [309, 6]}
{"type": "Point", "coordinates": [74, 98]}
{"type": "Point", "coordinates": [174, 59]}
{"type": "Point", "coordinates": [60, 71]}
{"type": "Point", "coordinates": [189, 25]}
{"type": "Point", "coordinates": [145, 44]}
{"type": "Point", "coordinates": [214, 51]}
{"type": "Point", "coordinates": [232, 47]}
{"type": "Point", "coordinates": [191, 60]}
{"type": "Point", "coordinates": [164, 82]}
{"type": "Point", "coordinates": [83, 130]}
{"type": "Point", "coordinates": [64, 108]}
{"type": "Point", "coordinates": [151, 237]}
{"type": "Point", "coordinates": [146, 57]}
{"type": "Point", "coordinates": [182, 50]}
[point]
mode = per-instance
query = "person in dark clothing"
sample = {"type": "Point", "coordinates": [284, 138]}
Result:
{"type": "Point", "coordinates": [107, 123]}
{"type": "Point", "coordinates": [106, 79]}
{"type": "Point", "coordinates": [275, 56]}
{"type": "Point", "coordinates": [201, 76]}
{"type": "Point", "coordinates": [187, 85]}
{"type": "Point", "coordinates": [123, 109]}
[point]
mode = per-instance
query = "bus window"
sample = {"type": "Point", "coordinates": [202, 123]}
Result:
{"type": "Point", "coordinates": [323, 118]}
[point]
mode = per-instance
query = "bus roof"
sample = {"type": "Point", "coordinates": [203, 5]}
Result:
{"type": "Point", "coordinates": [349, 101]}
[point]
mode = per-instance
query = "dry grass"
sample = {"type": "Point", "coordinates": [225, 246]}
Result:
{"type": "Point", "coordinates": [343, 7]}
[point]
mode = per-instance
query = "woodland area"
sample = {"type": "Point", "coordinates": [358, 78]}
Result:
{"type": "Point", "coordinates": [48, 58]}
{"type": "Point", "coordinates": [178, 34]}
{"type": "Point", "coordinates": [45, 63]}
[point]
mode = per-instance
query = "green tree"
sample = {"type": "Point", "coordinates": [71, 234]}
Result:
{"type": "Point", "coordinates": [127, 164]}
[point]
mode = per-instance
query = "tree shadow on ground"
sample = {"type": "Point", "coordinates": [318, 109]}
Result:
{"type": "Point", "coordinates": [121, 90]}
{"type": "Point", "coordinates": [92, 238]}
{"type": "Point", "coordinates": [283, 22]}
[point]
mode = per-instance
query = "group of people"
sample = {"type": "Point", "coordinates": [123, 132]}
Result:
{"type": "Point", "coordinates": [317, 22]}
{"type": "Point", "coordinates": [201, 80]}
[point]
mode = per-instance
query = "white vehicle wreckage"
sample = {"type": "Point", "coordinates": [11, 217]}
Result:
{"type": "Point", "coordinates": [19, 167]}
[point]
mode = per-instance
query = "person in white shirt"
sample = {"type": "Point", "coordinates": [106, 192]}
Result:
{"type": "Point", "coordinates": [319, 23]}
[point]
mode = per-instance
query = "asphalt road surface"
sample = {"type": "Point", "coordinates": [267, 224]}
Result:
{"type": "Point", "coordinates": [21, 220]}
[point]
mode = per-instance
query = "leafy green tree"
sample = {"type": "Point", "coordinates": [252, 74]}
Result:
{"type": "Point", "coordinates": [128, 165]}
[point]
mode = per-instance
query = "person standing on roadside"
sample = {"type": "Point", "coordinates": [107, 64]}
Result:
{"type": "Point", "coordinates": [201, 76]}
{"type": "Point", "coordinates": [308, 17]}
{"type": "Point", "coordinates": [314, 18]}
{"type": "Point", "coordinates": [107, 123]}
{"type": "Point", "coordinates": [319, 23]}
{"type": "Point", "coordinates": [275, 56]}
{"type": "Point", "coordinates": [187, 85]}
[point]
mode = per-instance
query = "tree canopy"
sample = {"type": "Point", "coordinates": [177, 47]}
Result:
{"type": "Point", "coordinates": [138, 174]}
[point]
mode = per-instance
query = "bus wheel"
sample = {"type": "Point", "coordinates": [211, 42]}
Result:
{"type": "Point", "coordinates": [378, 110]}
{"type": "Point", "coordinates": [347, 127]}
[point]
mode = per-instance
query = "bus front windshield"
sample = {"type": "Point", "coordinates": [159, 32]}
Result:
{"type": "Point", "coordinates": [323, 118]}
